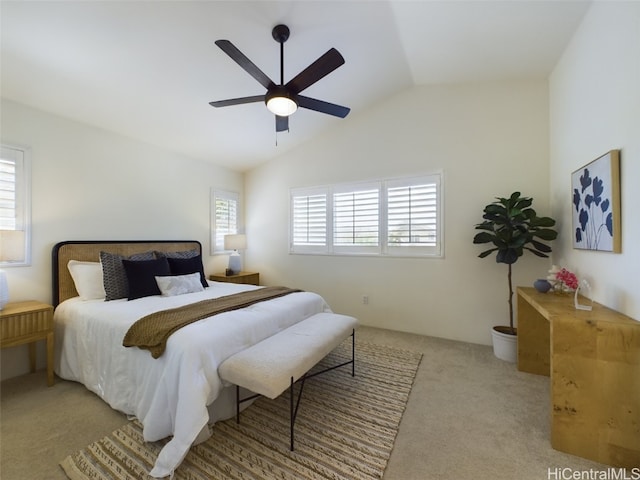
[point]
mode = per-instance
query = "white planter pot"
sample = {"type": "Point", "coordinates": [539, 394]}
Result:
{"type": "Point", "coordinates": [505, 346]}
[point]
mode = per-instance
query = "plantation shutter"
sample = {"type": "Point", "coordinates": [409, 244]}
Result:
{"type": "Point", "coordinates": [413, 215]}
{"type": "Point", "coordinates": [15, 199]}
{"type": "Point", "coordinates": [8, 205]}
{"type": "Point", "coordinates": [395, 217]}
{"type": "Point", "coordinates": [356, 218]}
{"type": "Point", "coordinates": [225, 217]}
{"type": "Point", "coordinates": [309, 220]}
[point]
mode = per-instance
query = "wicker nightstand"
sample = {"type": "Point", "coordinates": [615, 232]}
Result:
{"type": "Point", "coordinates": [251, 278]}
{"type": "Point", "coordinates": [28, 322]}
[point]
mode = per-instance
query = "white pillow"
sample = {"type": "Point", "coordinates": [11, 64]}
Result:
{"type": "Point", "coordinates": [179, 284]}
{"type": "Point", "coordinates": [87, 277]}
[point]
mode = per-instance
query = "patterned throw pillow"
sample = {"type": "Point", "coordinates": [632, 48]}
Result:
{"type": "Point", "coordinates": [179, 284]}
{"type": "Point", "coordinates": [114, 276]}
{"type": "Point", "coordinates": [183, 254]}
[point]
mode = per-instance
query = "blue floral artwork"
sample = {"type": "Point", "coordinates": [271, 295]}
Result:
{"type": "Point", "coordinates": [594, 201]}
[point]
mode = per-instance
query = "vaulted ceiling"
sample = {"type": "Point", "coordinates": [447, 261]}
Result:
{"type": "Point", "coordinates": [148, 69]}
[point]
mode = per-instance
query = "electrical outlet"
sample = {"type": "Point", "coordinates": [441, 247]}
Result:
{"type": "Point", "coordinates": [365, 299]}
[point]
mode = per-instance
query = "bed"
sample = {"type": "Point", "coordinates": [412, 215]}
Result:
{"type": "Point", "coordinates": [180, 393]}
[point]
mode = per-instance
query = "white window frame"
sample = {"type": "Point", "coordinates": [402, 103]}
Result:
{"type": "Point", "coordinates": [355, 248]}
{"type": "Point", "coordinates": [21, 158]}
{"type": "Point", "coordinates": [226, 227]}
{"type": "Point", "coordinates": [422, 250]}
{"type": "Point", "coordinates": [382, 247]}
{"type": "Point", "coordinates": [310, 247]}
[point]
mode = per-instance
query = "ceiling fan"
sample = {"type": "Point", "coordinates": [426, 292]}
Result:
{"type": "Point", "coordinates": [284, 99]}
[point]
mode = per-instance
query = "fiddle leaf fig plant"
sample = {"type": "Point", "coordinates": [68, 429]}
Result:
{"type": "Point", "coordinates": [513, 227]}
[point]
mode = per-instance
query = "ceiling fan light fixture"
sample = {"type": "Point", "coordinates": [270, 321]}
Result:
{"type": "Point", "coordinates": [284, 99]}
{"type": "Point", "coordinates": [281, 103]}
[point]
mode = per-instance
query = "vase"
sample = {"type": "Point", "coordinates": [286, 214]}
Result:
{"type": "Point", "coordinates": [561, 289]}
{"type": "Point", "coordinates": [584, 289]}
{"type": "Point", "coordinates": [542, 285]}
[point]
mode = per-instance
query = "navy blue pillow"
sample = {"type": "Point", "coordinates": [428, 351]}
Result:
{"type": "Point", "coordinates": [185, 266]}
{"type": "Point", "coordinates": [141, 275]}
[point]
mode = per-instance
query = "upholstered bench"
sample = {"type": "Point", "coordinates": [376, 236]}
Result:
{"type": "Point", "coordinates": [275, 364]}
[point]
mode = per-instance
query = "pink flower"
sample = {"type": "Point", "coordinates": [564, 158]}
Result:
{"type": "Point", "coordinates": [567, 278]}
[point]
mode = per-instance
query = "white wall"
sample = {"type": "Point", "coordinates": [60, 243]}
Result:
{"type": "Point", "coordinates": [90, 184]}
{"type": "Point", "coordinates": [595, 107]}
{"type": "Point", "coordinates": [489, 139]}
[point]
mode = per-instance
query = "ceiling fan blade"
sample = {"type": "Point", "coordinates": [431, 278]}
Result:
{"type": "Point", "coordinates": [323, 107]}
{"type": "Point", "coordinates": [241, 59]}
{"type": "Point", "coordinates": [322, 67]}
{"type": "Point", "coordinates": [282, 123]}
{"type": "Point", "coordinates": [237, 101]}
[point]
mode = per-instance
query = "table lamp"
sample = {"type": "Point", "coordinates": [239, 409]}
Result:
{"type": "Point", "coordinates": [11, 250]}
{"type": "Point", "coordinates": [235, 242]}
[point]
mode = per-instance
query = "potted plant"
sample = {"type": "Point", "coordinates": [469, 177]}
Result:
{"type": "Point", "coordinates": [513, 226]}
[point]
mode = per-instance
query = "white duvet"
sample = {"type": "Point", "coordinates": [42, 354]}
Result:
{"type": "Point", "coordinates": [169, 395]}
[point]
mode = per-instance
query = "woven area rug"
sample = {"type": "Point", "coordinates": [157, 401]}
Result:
{"type": "Point", "coordinates": [345, 429]}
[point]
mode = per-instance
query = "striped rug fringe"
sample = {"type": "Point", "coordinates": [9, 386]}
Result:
{"type": "Point", "coordinates": [345, 430]}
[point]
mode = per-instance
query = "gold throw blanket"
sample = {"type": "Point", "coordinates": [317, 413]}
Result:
{"type": "Point", "coordinates": [152, 331]}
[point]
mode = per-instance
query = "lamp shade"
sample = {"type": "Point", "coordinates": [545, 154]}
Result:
{"type": "Point", "coordinates": [235, 242]}
{"type": "Point", "coordinates": [12, 246]}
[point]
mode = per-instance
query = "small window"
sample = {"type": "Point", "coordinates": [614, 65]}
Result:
{"type": "Point", "coordinates": [15, 207]}
{"type": "Point", "coordinates": [225, 217]}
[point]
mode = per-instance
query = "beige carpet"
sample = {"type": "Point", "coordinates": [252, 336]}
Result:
{"type": "Point", "coordinates": [346, 428]}
{"type": "Point", "coordinates": [469, 416]}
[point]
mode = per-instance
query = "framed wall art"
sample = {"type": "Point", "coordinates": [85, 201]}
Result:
{"type": "Point", "coordinates": [595, 207]}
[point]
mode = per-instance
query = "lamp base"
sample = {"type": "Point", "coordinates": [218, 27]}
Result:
{"type": "Point", "coordinates": [235, 263]}
{"type": "Point", "coordinates": [4, 289]}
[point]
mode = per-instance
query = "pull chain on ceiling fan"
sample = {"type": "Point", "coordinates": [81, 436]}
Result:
{"type": "Point", "coordinates": [284, 99]}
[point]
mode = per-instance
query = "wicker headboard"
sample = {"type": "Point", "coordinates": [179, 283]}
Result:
{"type": "Point", "coordinates": [89, 251]}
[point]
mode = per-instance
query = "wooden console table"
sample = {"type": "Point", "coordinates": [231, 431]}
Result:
{"type": "Point", "coordinates": [593, 359]}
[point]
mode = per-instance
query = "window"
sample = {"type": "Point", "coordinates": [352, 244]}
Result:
{"type": "Point", "coordinates": [309, 225]}
{"type": "Point", "coordinates": [225, 216]}
{"type": "Point", "coordinates": [412, 216]}
{"type": "Point", "coordinates": [15, 207]}
{"type": "Point", "coordinates": [395, 217]}
{"type": "Point", "coordinates": [356, 218]}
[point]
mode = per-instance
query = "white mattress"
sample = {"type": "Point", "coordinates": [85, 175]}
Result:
{"type": "Point", "coordinates": [169, 395]}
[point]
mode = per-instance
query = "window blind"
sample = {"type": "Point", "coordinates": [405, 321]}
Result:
{"type": "Point", "coordinates": [396, 217]}
{"type": "Point", "coordinates": [8, 212]}
{"type": "Point", "coordinates": [15, 196]}
{"type": "Point", "coordinates": [225, 206]}
{"type": "Point", "coordinates": [412, 215]}
{"type": "Point", "coordinates": [356, 217]}
{"type": "Point", "coordinates": [310, 220]}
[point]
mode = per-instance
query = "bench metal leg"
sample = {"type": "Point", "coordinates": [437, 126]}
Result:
{"type": "Point", "coordinates": [237, 404]}
{"type": "Point", "coordinates": [242, 400]}
{"type": "Point", "coordinates": [353, 353]}
{"type": "Point", "coordinates": [293, 411]}
{"type": "Point", "coordinates": [292, 417]}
